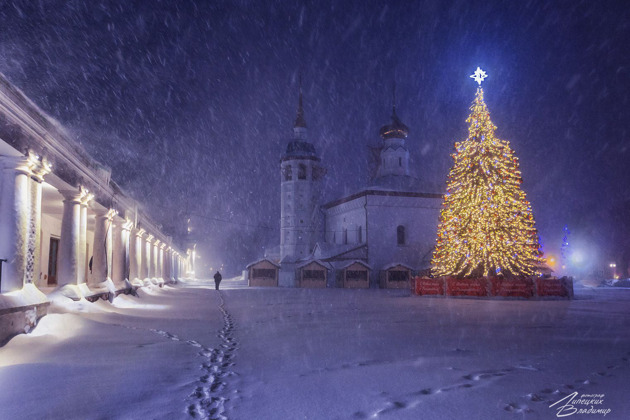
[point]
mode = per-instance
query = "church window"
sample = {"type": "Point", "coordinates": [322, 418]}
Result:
{"type": "Point", "coordinates": [302, 171]}
{"type": "Point", "coordinates": [345, 236]}
{"type": "Point", "coordinates": [400, 235]}
{"type": "Point", "coordinates": [287, 173]}
{"type": "Point", "coordinates": [360, 235]}
{"type": "Point", "coordinates": [399, 161]}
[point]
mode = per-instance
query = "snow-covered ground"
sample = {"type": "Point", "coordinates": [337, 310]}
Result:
{"type": "Point", "coordinates": [190, 352]}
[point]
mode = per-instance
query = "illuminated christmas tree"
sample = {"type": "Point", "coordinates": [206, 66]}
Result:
{"type": "Point", "coordinates": [486, 223]}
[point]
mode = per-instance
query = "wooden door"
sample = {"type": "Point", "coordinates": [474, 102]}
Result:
{"type": "Point", "coordinates": [52, 261]}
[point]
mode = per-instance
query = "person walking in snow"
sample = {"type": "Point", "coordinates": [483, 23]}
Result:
{"type": "Point", "coordinates": [217, 279]}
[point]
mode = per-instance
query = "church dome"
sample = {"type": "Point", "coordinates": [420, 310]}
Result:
{"type": "Point", "coordinates": [395, 130]}
{"type": "Point", "coordinates": [299, 148]}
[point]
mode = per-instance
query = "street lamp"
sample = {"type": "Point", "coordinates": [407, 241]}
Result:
{"type": "Point", "coordinates": [614, 270]}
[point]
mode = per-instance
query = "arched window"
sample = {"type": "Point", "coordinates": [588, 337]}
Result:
{"type": "Point", "coordinates": [400, 235]}
{"type": "Point", "coordinates": [287, 173]}
{"type": "Point", "coordinates": [302, 171]}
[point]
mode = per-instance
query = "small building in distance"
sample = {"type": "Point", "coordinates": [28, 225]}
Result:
{"type": "Point", "coordinates": [263, 273]}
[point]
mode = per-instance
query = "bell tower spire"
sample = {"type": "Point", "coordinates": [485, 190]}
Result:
{"type": "Point", "coordinates": [299, 128]}
{"type": "Point", "coordinates": [301, 178]}
{"type": "Point", "coordinates": [394, 154]}
{"type": "Point", "coordinates": [393, 98]}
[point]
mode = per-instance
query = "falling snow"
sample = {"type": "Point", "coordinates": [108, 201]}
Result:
{"type": "Point", "coordinates": [191, 103]}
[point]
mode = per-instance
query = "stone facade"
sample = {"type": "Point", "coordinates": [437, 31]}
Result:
{"type": "Point", "coordinates": [64, 222]}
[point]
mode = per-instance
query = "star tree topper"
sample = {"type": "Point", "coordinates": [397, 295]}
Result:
{"type": "Point", "coordinates": [479, 75]}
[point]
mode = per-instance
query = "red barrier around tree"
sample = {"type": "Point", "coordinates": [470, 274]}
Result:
{"type": "Point", "coordinates": [429, 286]}
{"type": "Point", "coordinates": [554, 287]}
{"type": "Point", "coordinates": [521, 287]}
{"type": "Point", "coordinates": [526, 287]}
{"type": "Point", "coordinates": [466, 287]}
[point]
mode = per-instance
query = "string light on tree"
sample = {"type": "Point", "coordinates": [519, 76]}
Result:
{"type": "Point", "coordinates": [486, 223]}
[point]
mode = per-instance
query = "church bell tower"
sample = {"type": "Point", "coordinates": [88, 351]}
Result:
{"type": "Point", "coordinates": [301, 175]}
{"type": "Point", "coordinates": [394, 158]}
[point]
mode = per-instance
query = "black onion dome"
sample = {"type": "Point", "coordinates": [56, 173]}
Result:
{"type": "Point", "coordinates": [298, 148]}
{"type": "Point", "coordinates": [395, 130]}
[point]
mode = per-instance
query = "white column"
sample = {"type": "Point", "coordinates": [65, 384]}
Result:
{"type": "Point", "coordinates": [146, 258]}
{"type": "Point", "coordinates": [110, 242]}
{"type": "Point", "coordinates": [118, 251]}
{"type": "Point", "coordinates": [154, 259]}
{"type": "Point", "coordinates": [68, 256]}
{"type": "Point", "coordinates": [121, 250]}
{"type": "Point", "coordinates": [171, 265]}
{"type": "Point", "coordinates": [102, 246]}
{"type": "Point", "coordinates": [166, 266]}
{"type": "Point", "coordinates": [176, 265]}
{"type": "Point", "coordinates": [35, 231]}
{"type": "Point", "coordinates": [127, 241]}
{"type": "Point", "coordinates": [20, 212]}
{"type": "Point", "coordinates": [82, 258]}
{"type": "Point", "coordinates": [161, 270]}
{"type": "Point", "coordinates": [135, 268]}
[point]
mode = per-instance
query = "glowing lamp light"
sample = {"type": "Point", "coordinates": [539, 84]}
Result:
{"type": "Point", "coordinates": [577, 258]}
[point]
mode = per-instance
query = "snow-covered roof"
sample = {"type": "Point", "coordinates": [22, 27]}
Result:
{"type": "Point", "coordinates": [322, 263]}
{"type": "Point", "coordinates": [341, 265]}
{"type": "Point", "coordinates": [381, 191]}
{"type": "Point", "coordinates": [392, 265]}
{"type": "Point", "coordinates": [327, 251]}
{"type": "Point", "coordinates": [262, 260]}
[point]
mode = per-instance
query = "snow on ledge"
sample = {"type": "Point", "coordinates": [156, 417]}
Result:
{"type": "Point", "coordinates": [28, 295]}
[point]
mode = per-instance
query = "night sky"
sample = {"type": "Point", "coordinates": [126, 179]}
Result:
{"type": "Point", "coordinates": [197, 101]}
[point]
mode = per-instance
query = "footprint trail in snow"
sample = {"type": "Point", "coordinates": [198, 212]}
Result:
{"type": "Point", "coordinates": [211, 391]}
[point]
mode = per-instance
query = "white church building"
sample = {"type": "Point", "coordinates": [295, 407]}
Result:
{"type": "Point", "coordinates": [389, 226]}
